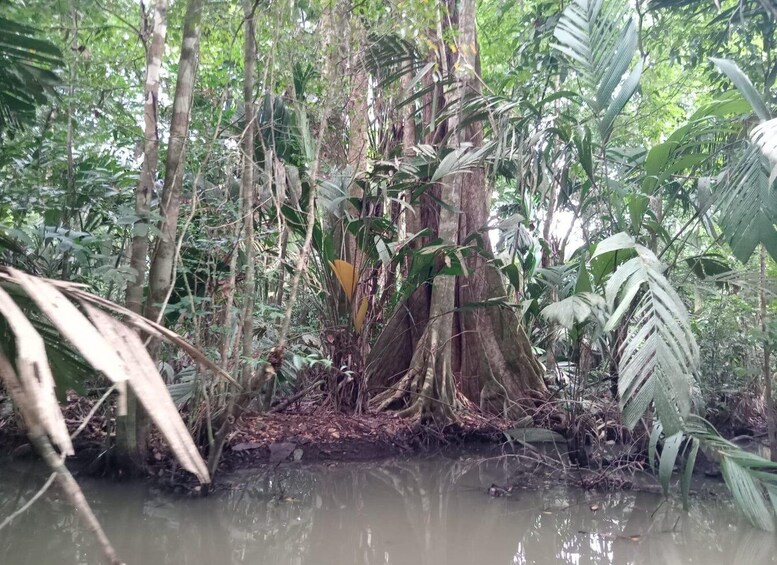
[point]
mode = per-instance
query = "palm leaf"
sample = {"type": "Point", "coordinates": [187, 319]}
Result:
{"type": "Point", "coordinates": [743, 84]}
{"type": "Point", "coordinates": [27, 74]}
{"type": "Point", "coordinates": [747, 205]}
{"type": "Point", "coordinates": [600, 37]}
{"type": "Point", "coordinates": [106, 344]}
{"type": "Point", "coordinates": [659, 355]}
{"type": "Point", "coordinates": [751, 479]}
{"type": "Point", "coordinates": [764, 136]}
{"type": "Point", "coordinates": [576, 309]}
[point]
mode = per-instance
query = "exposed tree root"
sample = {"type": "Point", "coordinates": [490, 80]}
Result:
{"type": "Point", "coordinates": [427, 389]}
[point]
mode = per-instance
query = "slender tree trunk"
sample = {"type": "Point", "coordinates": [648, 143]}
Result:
{"type": "Point", "coordinates": [131, 422]}
{"type": "Point", "coordinates": [771, 414]}
{"type": "Point", "coordinates": [70, 204]}
{"type": "Point", "coordinates": [148, 170]}
{"type": "Point", "coordinates": [163, 258]}
{"type": "Point", "coordinates": [248, 190]}
{"type": "Point", "coordinates": [238, 401]}
{"type": "Point", "coordinates": [71, 197]}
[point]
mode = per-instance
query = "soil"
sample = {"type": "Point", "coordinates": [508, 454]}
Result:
{"type": "Point", "coordinates": [314, 434]}
{"type": "Point", "coordinates": [306, 432]}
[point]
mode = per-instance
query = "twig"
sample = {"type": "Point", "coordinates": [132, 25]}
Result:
{"type": "Point", "coordinates": [292, 399]}
{"type": "Point", "coordinates": [32, 501]}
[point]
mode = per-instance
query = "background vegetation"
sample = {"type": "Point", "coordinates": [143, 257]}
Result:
{"type": "Point", "coordinates": [559, 213]}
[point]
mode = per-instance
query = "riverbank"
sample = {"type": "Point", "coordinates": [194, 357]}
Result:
{"type": "Point", "coordinates": [315, 434]}
{"type": "Point", "coordinates": [309, 433]}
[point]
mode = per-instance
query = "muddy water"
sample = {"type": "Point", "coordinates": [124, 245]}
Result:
{"type": "Point", "coordinates": [408, 512]}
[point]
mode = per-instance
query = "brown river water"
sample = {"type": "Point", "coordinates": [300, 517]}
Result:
{"type": "Point", "coordinates": [418, 511]}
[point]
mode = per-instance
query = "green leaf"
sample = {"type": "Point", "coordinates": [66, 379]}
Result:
{"type": "Point", "coordinates": [690, 463]}
{"type": "Point", "coordinates": [583, 282]}
{"type": "Point", "coordinates": [668, 459]}
{"type": "Point", "coordinates": [600, 37]}
{"type": "Point", "coordinates": [628, 88]}
{"type": "Point", "coordinates": [26, 73]}
{"type": "Point", "coordinates": [659, 355]}
{"type": "Point", "coordinates": [743, 84]}
{"type": "Point", "coordinates": [615, 242]}
{"type": "Point", "coordinates": [576, 309]}
{"type": "Point", "coordinates": [748, 206]}
{"type": "Point", "coordinates": [655, 435]}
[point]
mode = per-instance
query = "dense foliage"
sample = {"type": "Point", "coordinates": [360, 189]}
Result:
{"type": "Point", "coordinates": [539, 211]}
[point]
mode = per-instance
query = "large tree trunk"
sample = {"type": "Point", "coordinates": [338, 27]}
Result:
{"type": "Point", "coordinates": [485, 348]}
{"type": "Point", "coordinates": [496, 355]}
{"type": "Point", "coordinates": [161, 272]}
{"type": "Point", "coordinates": [131, 425]}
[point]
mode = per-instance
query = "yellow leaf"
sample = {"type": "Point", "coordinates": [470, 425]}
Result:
{"type": "Point", "coordinates": [358, 319]}
{"type": "Point", "coordinates": [346, 274]}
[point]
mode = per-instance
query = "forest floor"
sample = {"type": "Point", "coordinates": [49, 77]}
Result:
{"type": "Point", "coordinates": [312, 433]}
{"type": "Point", "coordinates": [306, 432]}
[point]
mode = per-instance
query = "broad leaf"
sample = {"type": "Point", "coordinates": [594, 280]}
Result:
{"type": "Point", "coordinates": [576, 309]}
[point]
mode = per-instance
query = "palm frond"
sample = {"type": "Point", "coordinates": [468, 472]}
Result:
{"type": "Point", "coordinates": [389, 57]}
{"type": "Point", "coordinates": [27, 75]}
{"type": "Point", "coordinates": [745, 87]}
{"type": "Point", "coordinates": [576, 309]}
{"type": "Point", "coordinates": [108, 345]}
{"type": "Point", "coordinates": [747, 204]}
{"type": "Point", "coordinates": [600, 37]}
{"type": "Point", "coordinates": [764, 136]}
{"type": "Point", "coordinates": [751, 479]}
{"type": "Point", "coordinates": [659, 355]}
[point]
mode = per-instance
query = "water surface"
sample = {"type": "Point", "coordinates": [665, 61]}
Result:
{"type": "Point", "coordinates": [432, 511]}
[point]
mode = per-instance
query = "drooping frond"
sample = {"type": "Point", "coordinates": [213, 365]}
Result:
{"type": "Point", "coordinates": [108, 345]}
{"type": "Point", "coordinates": [747, 204]}
{"type": "Point", "coordinates": [659, 355]}
{"type": "Point", "coordinates": [751, 479]}
{"type": "Point", "coordinates": [744, 86]}
{"type": "Point", "coordinates": [601, 38]}
{"type": "Point", "coordinates": [764, 136]}
{"type": "Point", "coordinates": [26, 72]}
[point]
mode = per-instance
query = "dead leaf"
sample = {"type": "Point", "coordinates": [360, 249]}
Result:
{"type": "Point", "coordinates": [346, 275]}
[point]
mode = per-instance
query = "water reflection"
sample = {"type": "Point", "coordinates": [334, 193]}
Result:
{"type": "Point", "coordinates": [409, 512]}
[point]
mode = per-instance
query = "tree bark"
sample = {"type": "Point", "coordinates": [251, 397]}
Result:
{"type": "Point", "coordinates": [485, 348]}
{"type": "Point", "coordinates": [131, 422]}
{"type": "Point", "coordinates": [145, 190]}
{"type": "Point", "coordinates": [160, 275]}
